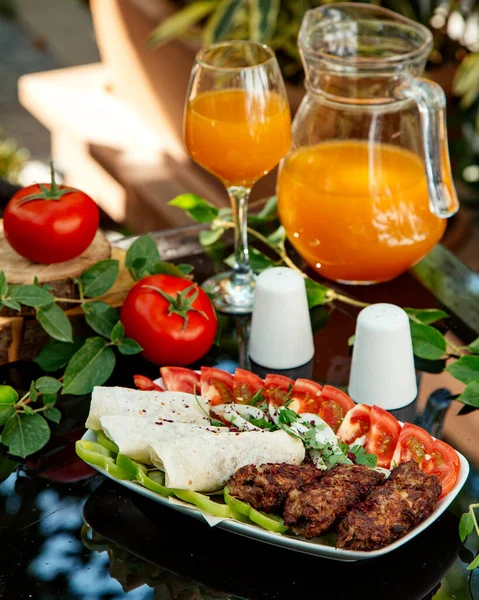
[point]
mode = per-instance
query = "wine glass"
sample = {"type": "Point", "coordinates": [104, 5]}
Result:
{"type": "Point", "coordinates": [238, 127]}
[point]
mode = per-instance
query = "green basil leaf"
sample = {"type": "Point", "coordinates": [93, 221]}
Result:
{"type": "Point", "coordinates": [52, 414]}
{"type": "Point", "coordinates": [5, 413]}
{"type": "Point", "coordinates": [8, 396]}
{"type": "Point", "coordinates": [144, 251]}
{"type": "Point", "coordinates": [55, 355]}
{"type": "Point", "coordinates": [259, 262]}
{"type": "Point", "coordinates": [316, 293]}
{"type": "Point", "coordinates": [28, 410]}
{"type": "Point", "coordinates": [33, 392]}
{"type": "Point", "coordinates": [466, 525]}
{"type": "Point", "coordinates": [466, 368]}
{"type": "Point", "coordinates": [90, 366]}
{"type": "Point", "coordinates": [351, 340]}
{"type": "Point", "coordinates": [129, 346]}
{"type": "Point", "coordinates": [49, 399]}
{"type": "Point", "coordinates": [196, 207]}
{"type": "Point", "coordinates": [55, 322]}
{"type": "Point", "coordinates": [210, 236]}
{"type": "Point", "coordinates": [474, 564]}
{"type": "Point", "coordinates": [427, 315]}
{"type": "Point", "coordinates": [427, 342]}
{"type": "Point", "coordinates": [185, 269]}
{"type": "Point", "coordinates": [25, 434]}
{"type": "Point", "coordinates": [168, 268]}
{"type": "Point", "coordinates": [118, 333]}
{"type": "Point", "coordinates": [474, 346]}
{"type": "Point", "coordinates": [48, 385]}
{"type": "Point", "coordinates": [99, 278]}
{"type": "Point", "coordinates": [31, 295]}
{"type": "Point", "coordinates": [101, 317]}
{"type": "Point", "coordinates": [470, 395]}
{"type": "Point", "coordinates": [13, 304]}
{"type": "Point", "coordinates": [3, 285]}
{"type": "Point", "coordinates": [278, 237]}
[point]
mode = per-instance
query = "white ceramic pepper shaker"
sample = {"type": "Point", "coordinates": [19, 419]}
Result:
{"type": "Point", "coordinates": [382, 369]}
{"type": "Point", "coordinates": [281, 336]}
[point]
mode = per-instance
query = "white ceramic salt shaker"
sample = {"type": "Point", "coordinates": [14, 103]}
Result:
{"type": "Point", "coordinates": [382, 369]}
{"type": "Point", "coordinates": [281, 336]}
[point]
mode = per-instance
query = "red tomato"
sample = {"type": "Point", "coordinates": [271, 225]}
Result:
{"type": "Point", "coordinates": [383, 436]}
{"type": "Point", "coordinates": [146, 384]}
{"type": "Point", "coordinates": [443, 462]}
{"type": "Point", "coordinates": [50, 223]}
{"type": "Point", "coordinates": [217, 385]}
{"type": "Point", "coordinates": [356, 424]}
{"type": "Point", "coordinates": [176, 329]}
{"type": "Point", "coordinates": [179, 379]}
{"type": "Point", "coordinates": [414, 443]}
{"type": "Point", "coordinates": [246, 385]}
{"type": "Point", "coordinates": [277, 388]}
{"type": "Point", "coordinates": [306, 396]}
{"type": "Point", "coordinates": [333, 406]}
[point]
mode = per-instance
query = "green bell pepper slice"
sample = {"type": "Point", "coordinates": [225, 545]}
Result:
{"type": "Point", "coordinates": [106, 442]}
{"type": "Point", "coordinates": [266, 521]}
{"type": "Point", "coordinates": [138, 472]}
{"type": "Point", "coordinates": [205, 503]}
{"type": "Point", "coordinates": [95, 454]}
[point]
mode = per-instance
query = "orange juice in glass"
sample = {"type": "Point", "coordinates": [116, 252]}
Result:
{"type": "Point", "coordinates": [238, 127]}
{"type": "Point", "coordinates": [357, 212]}
{"type": "Point", "coordinates": [237, 137]}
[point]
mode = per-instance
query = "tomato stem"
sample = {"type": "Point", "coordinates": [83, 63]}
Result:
{"type": "Point", "coordinates": [55, 192]}
{"type": "Point", "coordinates": [182, 304]}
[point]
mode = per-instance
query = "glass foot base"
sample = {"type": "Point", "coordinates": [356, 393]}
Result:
{"type": "Point", "coordinates": [230, 297]}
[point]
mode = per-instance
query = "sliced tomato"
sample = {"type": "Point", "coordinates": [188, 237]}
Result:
{"type": "Point", "coordinates": [246, 385]}
{"type": "Point", "coordinates": [146, 384]}
{"type": "Point", "coordinates": [179, 379]}
{"type": "Point", "coordinates": [334, 405]}
{"type": "Point", "coordinates": [443, 462]}
{"type": "Point", "coordinates": [306, 396]}
{"type": "Point", "coordinates": [277, 388]}
{"type": "Point", "coordinates": [356, 424]}
{"type": "Point", "coordinates": [414, 443]}
{"type": "Point", "coordinates": [217, 385]}
{"type": "Point", "coordinates": [383, 436]}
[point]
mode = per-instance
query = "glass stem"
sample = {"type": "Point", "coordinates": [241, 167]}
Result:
{"type": "Point", "coordinates": [242, 272]}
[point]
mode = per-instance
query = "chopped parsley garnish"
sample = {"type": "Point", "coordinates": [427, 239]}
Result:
{"type": "Point", "coordinates": [362, 458]}
{"type": "Point", "coordinates": [258, 397]}
{"type": "Point", "coordinates": [287, 416]}
{"type": "Point", "coordinates": [263, 423]}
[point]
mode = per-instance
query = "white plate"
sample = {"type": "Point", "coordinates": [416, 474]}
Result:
{"type": "Point", "coordinates": [294, 542]}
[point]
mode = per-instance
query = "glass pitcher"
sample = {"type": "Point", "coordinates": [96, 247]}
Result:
{"type": "Point", "coordinates": [367, 186]}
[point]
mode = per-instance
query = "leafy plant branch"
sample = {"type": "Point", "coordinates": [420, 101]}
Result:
{"type": "Point", "coordinates": [85, 362]}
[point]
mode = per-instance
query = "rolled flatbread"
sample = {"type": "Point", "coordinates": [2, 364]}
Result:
{"type": "Point", "coordinates": [174, 406]}
{"type": "Point", "coordinates": [133, 435]}
{"type": "Point", "coordinates": [205, 463]}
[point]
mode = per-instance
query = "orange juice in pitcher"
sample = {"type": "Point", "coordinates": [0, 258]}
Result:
{"type": "Point", "coordinates": [357, 212]}
{"type": "Point", "coordinates": [366, 188]}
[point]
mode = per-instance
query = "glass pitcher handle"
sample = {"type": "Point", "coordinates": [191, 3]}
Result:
{"type": "Point", "coordinates": [431, 102]}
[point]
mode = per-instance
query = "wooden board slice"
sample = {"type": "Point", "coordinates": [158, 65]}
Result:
{"type": "Point", "coordinates": [20, 271]}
